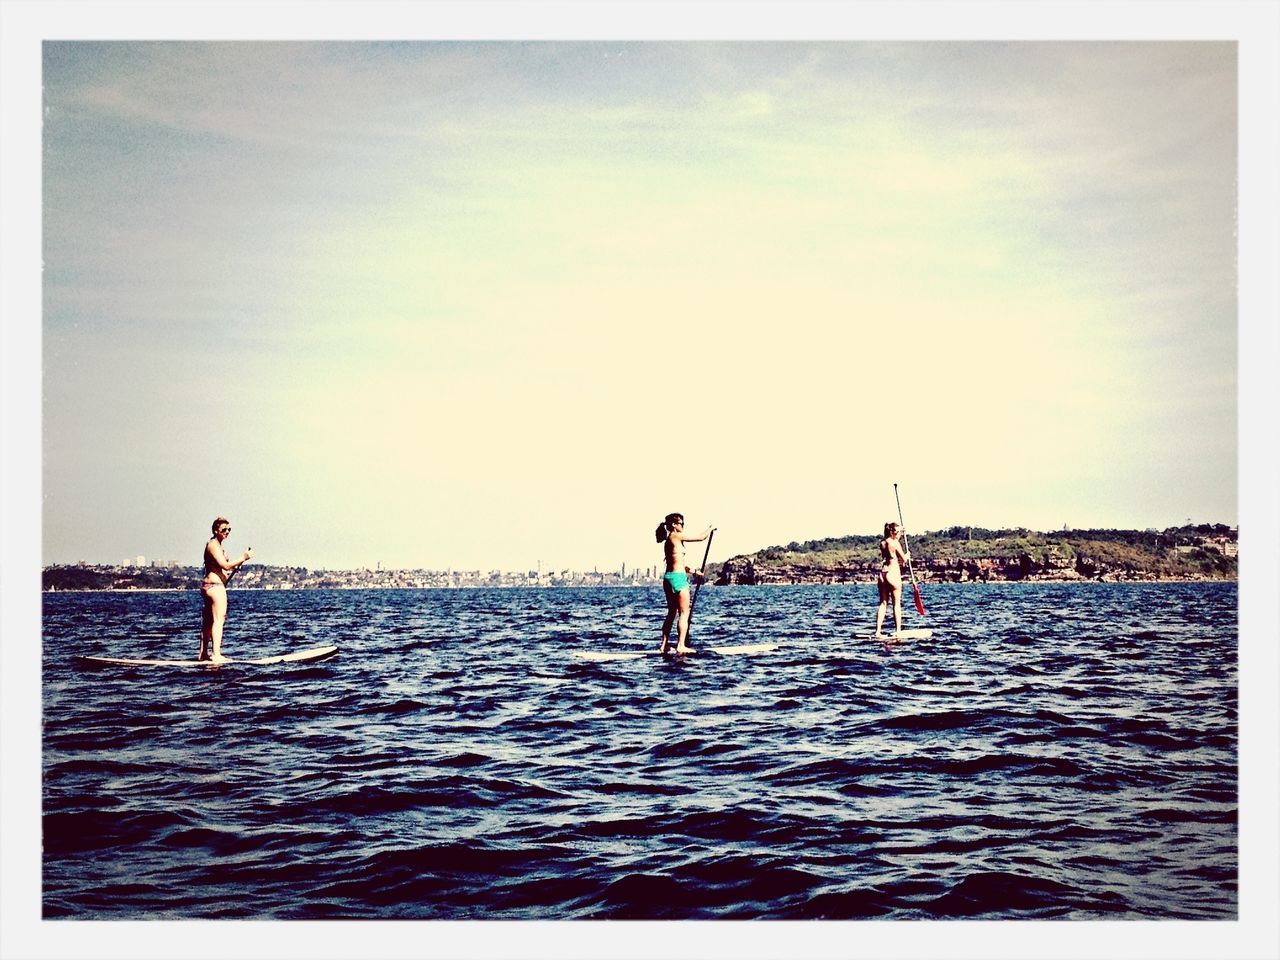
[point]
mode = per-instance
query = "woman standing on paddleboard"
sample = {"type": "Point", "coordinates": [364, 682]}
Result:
{"type": "Point", "coordinates": [213, 590]}
{"type": "Point", "coordinates": [889, 581]}
{"type": "Point", "coordinates": [675, 582]}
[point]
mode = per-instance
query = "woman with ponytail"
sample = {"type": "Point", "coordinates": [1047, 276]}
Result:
{"type": "Point", "coordinates": [889, 582]}
{"type": "Point", "coordinates": [675, 582]}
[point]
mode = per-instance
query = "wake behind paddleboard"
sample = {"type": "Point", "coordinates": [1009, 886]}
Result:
{"type": "Point", "coordinates": [922, 634]}
{"type": "Point", "coordinates": [745, 648]}
{"type": "Point", "coordinates": [298, 656]}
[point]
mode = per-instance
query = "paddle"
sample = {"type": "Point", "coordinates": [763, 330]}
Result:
{"type": "Point", "coordinates": [915, 587]}
{"type": "Point", "coordinates": [233, 573]}
{"type": "Point", "coordinates": [701, 580]}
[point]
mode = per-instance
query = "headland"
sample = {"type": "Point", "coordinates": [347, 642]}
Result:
{"type": "Point", "coordinates": [972, 554]}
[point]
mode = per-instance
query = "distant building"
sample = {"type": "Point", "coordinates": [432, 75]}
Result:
{"type": "Point", "coordinates": [1223, 545]}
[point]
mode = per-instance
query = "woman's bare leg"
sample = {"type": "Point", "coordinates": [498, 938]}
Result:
{"type": "Point", "coordinates": [206, 626]}
{"type": "Point", "coordinates": [682, 644]}
{"type": "Point", "coordinates": [673, 611]}
{"type": "Point", "coordinates": [219, 612]}
{"type": "Point", "coordinates": [667, 623]}
{"type": "Point", "coordinates": [883, 608]}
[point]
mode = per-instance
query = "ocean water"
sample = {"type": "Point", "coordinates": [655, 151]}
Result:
{"type": "Point", "coordinates": [1053, 751]}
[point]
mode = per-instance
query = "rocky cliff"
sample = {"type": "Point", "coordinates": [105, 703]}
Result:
{"type": "Point", "coordinates": [1053, 564]}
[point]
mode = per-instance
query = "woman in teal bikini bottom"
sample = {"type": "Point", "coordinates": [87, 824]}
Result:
{"type": "Point", "coordinates": [675, 582]}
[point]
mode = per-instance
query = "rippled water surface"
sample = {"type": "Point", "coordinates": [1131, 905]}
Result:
{"type": "Point", "coordinates": [1053, 751]}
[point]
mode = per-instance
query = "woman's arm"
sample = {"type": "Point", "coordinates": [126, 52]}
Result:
{"type": "Point", "coordinates": [705, 533]}
{"type": "Point", "coordinates": [220, 558]}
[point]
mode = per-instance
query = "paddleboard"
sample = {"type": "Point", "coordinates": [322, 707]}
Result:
{"type": "Point", "coordinates": [923, 634]}
{"type": "Point", "coordinates": [744, 648]}
{"type": "Point", "coordinates": [298, 656]}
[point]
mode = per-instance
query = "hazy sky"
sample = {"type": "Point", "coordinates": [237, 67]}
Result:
{"type": "Point", "coordinates": [500, 303]}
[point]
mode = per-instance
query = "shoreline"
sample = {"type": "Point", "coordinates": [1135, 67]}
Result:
{"type": "Point", "coordinates": [1030, 581]}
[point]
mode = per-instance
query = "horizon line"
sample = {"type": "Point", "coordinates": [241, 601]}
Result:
{"type": "Point", "coordinates": [622, 565]}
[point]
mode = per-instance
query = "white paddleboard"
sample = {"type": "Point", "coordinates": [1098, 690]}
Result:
{"type": "Point", "coordinates": [923, 634]}
{"type": "Point", "coordinates": [298, 656]}
{"type": "Point", "coordinates": [744, 648]}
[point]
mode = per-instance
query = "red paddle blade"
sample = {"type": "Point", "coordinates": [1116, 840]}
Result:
{"type": "Point", "coordinates": [915, 588]}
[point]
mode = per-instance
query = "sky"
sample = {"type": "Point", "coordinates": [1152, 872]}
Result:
{"type": "Point", "coordinates": [507, 304]}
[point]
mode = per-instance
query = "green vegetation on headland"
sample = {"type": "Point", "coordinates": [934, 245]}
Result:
{"type": "Point", "coordinates": [968, 554]}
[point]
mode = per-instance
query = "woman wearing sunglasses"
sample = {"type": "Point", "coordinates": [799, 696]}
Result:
{"type": "Point", "coordinates": [218, 570]}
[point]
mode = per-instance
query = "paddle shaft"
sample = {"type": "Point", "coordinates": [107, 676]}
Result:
{"type": "Point", "coordinates": [233, 573]}
{"type": "Point", "coordinates": [702, 579]}
{"type": "Point", "coordinates": [915, 587]}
